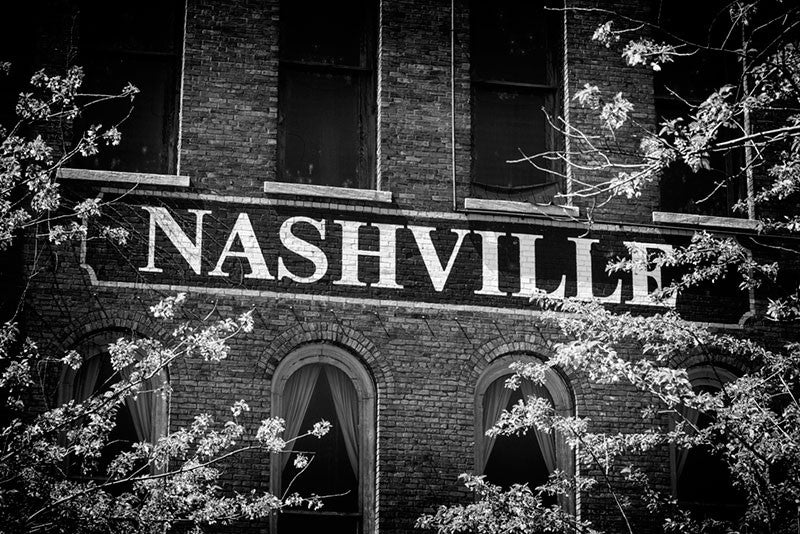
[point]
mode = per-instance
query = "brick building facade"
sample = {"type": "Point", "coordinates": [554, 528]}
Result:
{"type": "Point", "coordinates": [331, 170]}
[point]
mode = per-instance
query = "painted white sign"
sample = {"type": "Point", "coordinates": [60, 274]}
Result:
{"type": "Point", "coordinates": [352, 252]}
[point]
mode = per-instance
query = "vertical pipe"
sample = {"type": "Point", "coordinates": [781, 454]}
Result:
{"type": "Point", "coordinates": [378, 100]}
{"type": "Point", "coordinates": [453, 99]}
{"type": "Point", "coordinates": [180, 91]}
{"type": "Point", "coordinates": [748, 147]}
{"type": "Point", "coordinates": [567, 140]}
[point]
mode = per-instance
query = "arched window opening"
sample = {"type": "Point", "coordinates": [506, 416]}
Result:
{"type": "Point", "coordinates": [334, 458]}
{"type": "Point", "coordinates": [701, 477]}
{"type": "Point", "coordinates": [315, 383]}
{"type": "Point", "coordinates": [139, 419]}
{"type": "Point", "coordinates": [528, 458]}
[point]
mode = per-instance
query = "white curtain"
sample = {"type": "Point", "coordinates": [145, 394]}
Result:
{"type": "Point", "coordinates": [296, 397]}
{"type": "Point", "coordinates": [495, 401]}
{"type": "Point", "coordinates": [546, 441]}
{"type": "Point", "coordinates": [86, 381]}
{"type": "Point", "coordinates": [345, 402]}
{"type": "Point", "coordinates": [145, 409]}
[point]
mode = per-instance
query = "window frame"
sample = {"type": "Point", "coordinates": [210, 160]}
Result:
{"type": "Point", "coordinates": [560, 392]}
{"type": "Point", "coordinates": [172, 175]}
{"type": "Point", "coordinates": [733, 170]}
{"type": "Point", "coordinates": [322, 353]}
{"type": "Point", "coordinates": [551, 93]}
{"type": "Point", "coordinates": [732, 162]}
{"type": "Point", "coordinates": [95, 345]}
{"type": "Point", "coordinates": [365, 83]}
{"type": "Point", "coordinates": [707, 375]}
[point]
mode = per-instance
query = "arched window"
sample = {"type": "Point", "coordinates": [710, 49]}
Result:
{"type": "Point", "coordinates": [701, 479]}
{"type": "Point", "coordinates": [319, 382]}
{"type": "Point", "coordinates": [143, 418]}
{"type": "Point", "coordinates": [530, 458]}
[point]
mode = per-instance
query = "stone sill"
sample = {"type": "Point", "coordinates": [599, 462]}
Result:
{"type": "Point", "coordinates": [138, 178]}
{"type": "Point", "coordinates": [520, 208]}
{"type": "Point", "coordinates": [286, 188]}
{"type": "Point", "coordinates": [710, 221]}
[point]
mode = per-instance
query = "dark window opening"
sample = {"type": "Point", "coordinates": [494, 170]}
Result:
{"type": "Point", "coordinates": [19, 45]}
{"type": "Point", "coordinates": [97, 376]}
{"type": "Point", "coordinates": [704, 483]}
{"type": "Point", "coordinates": [326, 100]}
{"type": "Point", "coordinates": [140, 43]}
{"type": "Point", "coordinates": [329, 473]}
{"type": "Point", "coordinates": [515, 46]}
{"type": "Point", "coordinates": [517, 459]}
{"type": "Point", "coordinates": [716, 187]}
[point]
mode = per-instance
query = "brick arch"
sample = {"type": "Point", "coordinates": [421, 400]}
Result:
{"type": "Point", "coordinates": [698, 359]}
{"type": "Point", "coordinates": [92, 323]}
{"type": "Point", "coordinates": [324, 332]}
{"type": "Point", "coordinates": [91, 331]}
{"type": "Point", "coordinates": [493, 349]}
{"type": "Point", "coordinates": [304, 339]}
{"type": "Point", "coordinates": [527, 343]}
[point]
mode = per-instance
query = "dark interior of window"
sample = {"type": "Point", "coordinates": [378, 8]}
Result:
{"type": "Point", "coordinates": [515, 44]}
{"type": "Point", "coordinates": [141, 43]}
{"type": "Point", "coordinates": [123, 435]}
{"type": "Point", "coordinates": [704, 481]}
{"type": "Point", "coordinates": [326, 100]}
{"type": "Point", "coordinates": [718, 185]}
{"type": "Point", "coordinates": [516, 459]}
{"type": "Point", "coordinates": [18, 46]}
{"type": "Point", "coordinates": [329, 473]}
{"type": "Point", "coordinates": [714, 189]}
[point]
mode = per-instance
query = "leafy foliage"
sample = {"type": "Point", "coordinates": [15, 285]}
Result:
{"type": "Point", "coordinates": [754, 420]}
{"type": "Point", "coordinates": [518, 510]}
{"type": "Point", "coordinates": [56, 471]}
{"type": "Point", "coordinates": [750, 422]}
{"type": "Point", "coordinates": [51, 475]}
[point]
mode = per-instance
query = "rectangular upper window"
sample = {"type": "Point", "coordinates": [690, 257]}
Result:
{"type": "Point", "coordinates": [515, 49]}
{"type": "Point", "coordinates": [719, 183]}
{"type": "Point", "coordinates": [138, 42]}
{"type": "Point", "coordinates": [326, 98]}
